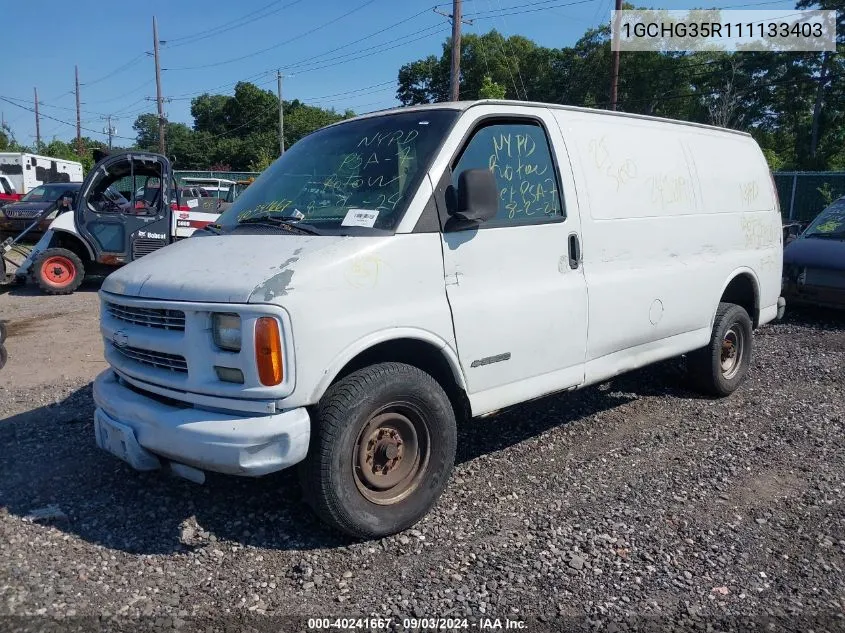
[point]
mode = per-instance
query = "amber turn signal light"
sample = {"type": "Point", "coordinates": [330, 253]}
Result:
{"type": "Point", "coordinates": [268, 351]}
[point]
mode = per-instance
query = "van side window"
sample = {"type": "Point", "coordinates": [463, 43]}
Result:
{"type": "Point", "coordinates": [518, 155]}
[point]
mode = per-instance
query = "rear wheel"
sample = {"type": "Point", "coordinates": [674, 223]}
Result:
{"type": "Point", "coordinates": [58, 271]}
{"type": "Point", "coordinates": [382, 449]}
{"type": "Point", "coordinates": [2, 333]}
{"type": "Point", "coordinates": [719, 368]}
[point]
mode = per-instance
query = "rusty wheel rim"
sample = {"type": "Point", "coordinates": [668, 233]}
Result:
{"type": "Point", "coordinates": [733, 345]}
{"type": "Point", "coordinates": [58, 270]}
{"type": "Point", "coordinates": [391, 454]}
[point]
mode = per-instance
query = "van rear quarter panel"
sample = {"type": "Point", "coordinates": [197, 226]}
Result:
{"type": "Point", "coordinates": [670, 213]}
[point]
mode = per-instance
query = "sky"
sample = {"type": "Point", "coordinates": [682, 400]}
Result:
{"type": "Point", "coordinates": [332, 53]}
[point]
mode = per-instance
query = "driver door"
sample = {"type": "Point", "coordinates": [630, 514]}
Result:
{"type": "Point", "coordinates": [124, 209]}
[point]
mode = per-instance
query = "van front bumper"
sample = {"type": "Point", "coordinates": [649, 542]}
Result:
{"type": "Point", "coordinates": [144, 432]}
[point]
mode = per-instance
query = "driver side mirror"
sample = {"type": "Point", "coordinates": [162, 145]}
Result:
{"type": "Point", "coordinates": [478, 196]}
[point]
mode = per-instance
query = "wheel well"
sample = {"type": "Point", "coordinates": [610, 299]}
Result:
{"type": "Point", "coordinates": [743, 292]}
{"type": "Point", "coordinates": [421, 355]}
{"type": "Point", "coordinates": [65, 240]}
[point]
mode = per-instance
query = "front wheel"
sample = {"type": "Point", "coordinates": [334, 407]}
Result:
{"type": "Point", "coordinates": [720, 367]}
{"type": "Point", "coordinates": [382, 449]}
{"type": "Point", "coordinates": [58, 271]}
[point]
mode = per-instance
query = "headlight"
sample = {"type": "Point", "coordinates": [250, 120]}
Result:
{"type": "Point", "coordinates": [226, 331]}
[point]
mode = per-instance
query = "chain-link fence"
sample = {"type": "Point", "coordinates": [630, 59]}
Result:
{"type": "Point", "coordinates": [229, 175]}
{"type": "Point", "coordinates": [804, 194]}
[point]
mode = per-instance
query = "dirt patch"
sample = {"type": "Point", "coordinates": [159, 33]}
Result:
{"type": "Point", "coordinates": [25, 326]}
{"type": "Point", "coordinates": [50, 339]}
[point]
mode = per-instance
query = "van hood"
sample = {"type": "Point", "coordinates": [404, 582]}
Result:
{"type": "Point", "coordinates": [219, 269]}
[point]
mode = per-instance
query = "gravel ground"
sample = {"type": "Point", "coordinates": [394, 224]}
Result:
{"type": "Point", "coordinates": [623, 505]}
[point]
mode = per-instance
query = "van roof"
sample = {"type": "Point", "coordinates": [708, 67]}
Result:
{"type": "Point", "coordinates": [465, 105]}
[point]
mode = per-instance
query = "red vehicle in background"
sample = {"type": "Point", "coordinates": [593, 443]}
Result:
{"type": "Point", "coordinates": [7, 191]}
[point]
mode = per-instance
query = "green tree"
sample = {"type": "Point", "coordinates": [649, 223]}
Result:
{"type": "Point", "coordinates": [146, 129]}
{"type": "Point", "coordinates": [491, 90]}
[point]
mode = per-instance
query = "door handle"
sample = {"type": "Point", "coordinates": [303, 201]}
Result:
{"type": "Point", "coordinates": [574, 251]}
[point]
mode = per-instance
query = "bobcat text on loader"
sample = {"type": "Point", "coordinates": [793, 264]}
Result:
{"type": "Point", "coordinates": [127, 207]}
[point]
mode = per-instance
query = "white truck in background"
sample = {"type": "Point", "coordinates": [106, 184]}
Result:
{"type": "Point", "coordinates": [26, 171]}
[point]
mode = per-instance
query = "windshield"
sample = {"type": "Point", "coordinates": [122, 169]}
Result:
{"type": "Point", "coordinates": [829, 223]}
{"type": "Point", "coordinates": [43, 194]}
{"type": "Point", "coordinates": [348, 177]}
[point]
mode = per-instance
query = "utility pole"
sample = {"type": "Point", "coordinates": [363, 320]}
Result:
{"type": "Point", "coordinates": [161, 143]}
{"type": "Point", "coordinates": [455, 76]}
{"type": "Point", "coordinates": [281, 114]}
{"type": "Point", "coordinates": [78, 117]}
{"type": "Point", "coordinates": [37, 124]}
{"type": "Point", "coordinates": [455, 72]}
{"type": "Point", "coordinates": [110, 129]}
{"type": "Point", "coordinates": [614, 73]}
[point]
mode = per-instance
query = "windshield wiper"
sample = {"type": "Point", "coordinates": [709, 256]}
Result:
{"type": "Point", "coordinates": [273, 220]}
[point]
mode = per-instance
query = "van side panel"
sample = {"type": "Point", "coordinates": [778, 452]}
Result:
{"type": "Point", "coordinates": [358, 293]}
{"type": "Point", "coordinates": [670, 213]}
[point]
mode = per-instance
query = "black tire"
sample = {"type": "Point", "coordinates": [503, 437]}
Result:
{"type": "Point", "coordinates": [52, 285]}
{"type": "Point", "coordinates": [375, 414]}
{"type": "Point", "coordinates": [3, 357]}
{"type": "Point", "coordinates": [2, 332]}
{"type": "Point", "coordinates": [720, 367]}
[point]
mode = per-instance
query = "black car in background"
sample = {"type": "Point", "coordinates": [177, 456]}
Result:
{"type": "Point", "coordinates": [814, 263]}
{"type": "Point", "coordinates": [57, 197]}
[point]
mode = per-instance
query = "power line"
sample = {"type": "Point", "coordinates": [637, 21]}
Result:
{"type": "Point", "coordinates": [228, 27]}
{"type": "Point", "coordinates": [372, 49]}
{"type": "Point", "coordinates": [128, 64]}
{"type": "Point", "coordinates": [313, 58]}
{"type": "Point", "coordinates": [506, 11]}
{"type": "Point", "coordinates": [47, 116]}
{"type": "Point", "coordinates": [375, 52]}
{"type": "Point", "coordinates": [126, 94]}
{"type": "Point", "coordinates": [320, 26]}
{"type": "Point", "coordinates": [752, 89]}
{"type": "Point", "coordinates": [320, 65]}
{"type": "Point", "coordinates": [505, 42]}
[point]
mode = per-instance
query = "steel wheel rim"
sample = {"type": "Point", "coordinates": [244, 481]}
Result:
{"type": "Point", "coordinates": [58, 270]}
{"type": "Point", "coordinates": [733, 346]}
{"type": "Point", "coordinates": [391, 454]}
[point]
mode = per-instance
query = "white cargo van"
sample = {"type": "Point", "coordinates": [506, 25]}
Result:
{"type": "Point", "coordinates": [398, 272]}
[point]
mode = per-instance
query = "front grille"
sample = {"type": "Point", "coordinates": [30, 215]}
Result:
{"type": "Point", "coordinates": [149, 317]}
{"type": "Point", "coordinates": [173, 362]}
{"type": "Point", "coordinates": [26, 214]}
{"type": "Point", "coordinates": [145, 246]}
{"type": "Point", "coordinates": [825, 278]}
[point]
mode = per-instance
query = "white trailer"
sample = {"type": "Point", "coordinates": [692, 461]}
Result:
{"type": "Point", "coordinates": [26, 171]}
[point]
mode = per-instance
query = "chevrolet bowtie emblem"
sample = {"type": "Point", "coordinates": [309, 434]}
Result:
{"type": "Point", "coordinates": [120, 339]}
